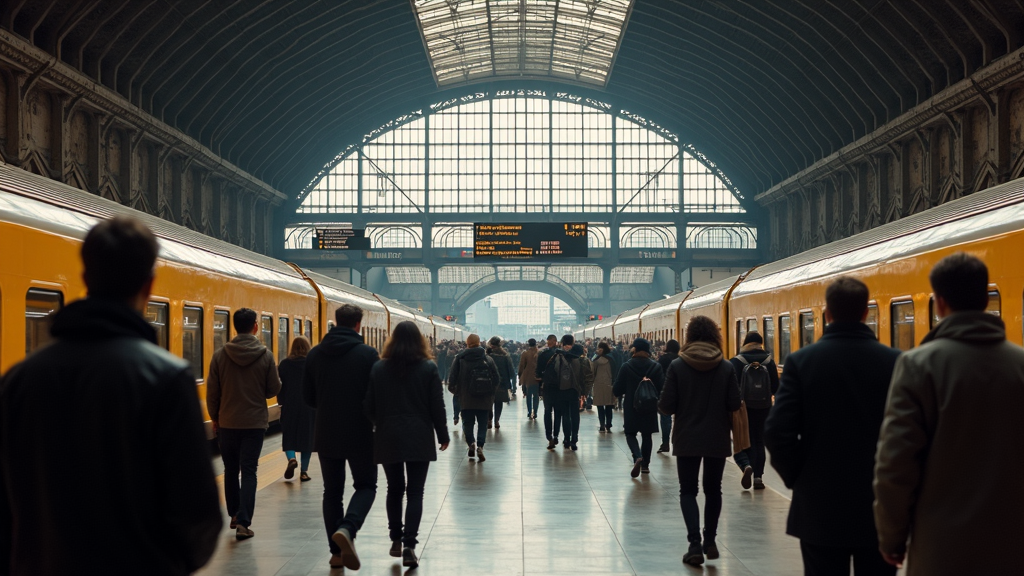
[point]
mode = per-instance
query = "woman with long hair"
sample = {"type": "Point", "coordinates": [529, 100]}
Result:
{"type": "Point", "coordinates": [701, 391]}
{"type": "Point", "coordinates": [406, 405]}
{"type": "Point", "coordinates": [604, 377]}
{"type": "Point", "coordinates": [297, 419]}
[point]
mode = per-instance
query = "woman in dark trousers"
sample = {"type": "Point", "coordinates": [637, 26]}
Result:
{"type": "Point", "coordinates": [405, 402]}
{"type": "Point", "coordinates": [297, 419]}
{"type": "Point", "coordinates": [638, 367]}
{"type": "Point", "coordinates": [701, 391]}
{"type": "Point", "coordinates": [604, 379]}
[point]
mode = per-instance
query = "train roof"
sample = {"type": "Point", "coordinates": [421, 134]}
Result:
{"type": "Point", "coordinates": [340, 291]}
{"type": "Point", "coordinates": [997, 210]}
{"type": "Point", "coordinates": [631, 314]}
{"type": "Point", "coordinates": [710, 293]}
{"type": "Point", "coordinates": [41, 203]}
{"type": "Point", "coordinates": [666, 305]}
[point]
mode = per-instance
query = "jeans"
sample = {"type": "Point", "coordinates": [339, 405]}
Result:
{"type": "Point", "coordinates": [604, 416]}
{"type": "Point", "coordinates": [532, 394]}
{"type": "Point", "coordinates": [455, 406]}
{"type": "Point", "coordinates": [478, 417]}
{"type": "Point", "coordinates": [642, 452]}
{"type": "Point", "coordinates": [240, 450]}
{"type": "Point", "coordinates": [755, 455]}
{"type": "Point", "coordinates": [666, 429]}
{"type": "Point", "coordinates": [552, 419]}
{"type": "Point", "coordinates": [688, 468]}
{"type": "Point", "coordinates": [364, 480]}
{"type": "Point", "coordinates": [405, 479]}
{"type": "Point", "coordinates": [304, 463]}
{"type": "Point", "coordinates": [567, 409]}
{"type": "Point", "coordinates": [498, 406]}
{"type": "Point", "coordinates": [828, 560]}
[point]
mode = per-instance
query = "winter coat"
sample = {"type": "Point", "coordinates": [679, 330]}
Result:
{"type": "Point", "coordinates": [583, 368]}
{"type": "Point", "coordinates": [946, 475]}
{"type": "Point", "coordinates": [626, 383]}
{"type": "Point", "coordinates": [506, 373]}
{"type": "Point", "coordinates": [406, 407]}
{"type": "Point", "coordinates": [104, 462]}
{"type": "Point", "coordinates": [467, 400]}
{"type": "Point", "coordinates": [543, 358]}
{"type": "Point", "coordinates": [528, 367]}
{"type": "Point", "coordinates": [603, 381]}
{"type": "Point", "coordinates": [701, 392]}
{"type": "Point", "coordinates": [243, 376]}
{"type": "Point", "coordinates": [830, 403]}
{"type": "Point", "coordinates": [665, 360]}
{"type": "Point", "coordinates": [298, 421]}
{"type": "Point", "coordinates": [334, 383]}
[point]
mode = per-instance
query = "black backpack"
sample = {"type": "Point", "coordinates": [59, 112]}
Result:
{"type": "Point", "coordinates": [558, 374]}
{"type": "Point", "coordinates": [475, 377]}
{"type": "Point", "coordinates": [755, 383]}
{"type": "Point", "coordinates": [645, 399]}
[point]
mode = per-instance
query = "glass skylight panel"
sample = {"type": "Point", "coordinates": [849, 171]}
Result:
{"type": "Point", "coordinates": [632, 275]}
{"type": "Point", "coordinates": [463, 274]}
{"type": "Point", "coordinates": [572, 39]}
{"type": "Point", "coordinates": [577, 274]}
{"type": "Point", "coordinates": [407, 275]}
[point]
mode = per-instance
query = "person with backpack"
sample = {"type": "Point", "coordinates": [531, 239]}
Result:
{"type": "Point", "coordinates": [552, 420]}
{"type": "Point", "coordinates": [759, 381]}
{"type": "Point", "coordinates": [474, 379]}
{"type": "Point", "coordinates": [583, 372]}
{"type": "Point", "coordinates": [565, 377]}
{"type": "Point", "coordinates": [665, 360]}
{"type": "Point", "coordinates": [640, 381]}
{"type": "Point", "coordinates": [506, 371]}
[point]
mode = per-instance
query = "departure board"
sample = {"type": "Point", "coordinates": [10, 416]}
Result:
{"type": "Point", "coordinates": [529, 241]}
{"type": "Point", "coordinates": [340, 239]}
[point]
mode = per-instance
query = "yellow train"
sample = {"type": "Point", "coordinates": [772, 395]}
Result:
{"type": "Point", "coordinates": [200, 282]}
{"type": "Point", "coordinates": [785, 300]}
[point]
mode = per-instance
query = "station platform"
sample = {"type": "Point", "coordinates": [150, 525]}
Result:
{"type": "Point", "coordinates": [525, 511]}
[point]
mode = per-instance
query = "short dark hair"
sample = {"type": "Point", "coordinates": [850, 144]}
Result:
{"type": "Point", "coordinates": [244, 320]}
{"type": "Point", "coordinates": [703, 329]}
{"type": "Point", "coordinates": [348, 315]}
{"type": "Point", "coordinates": [846, 299]}
{"type": "Point", "coordinates": [494, 342]}
{"type": "Point", "coordinates": [550, 336]}
{"type": "Point", "coordinates": [753, 337]}
{"type": "Point", "coordinates": [532, 341]}
{"type": "Point", "coordinates": [672, 347]}
{"type": "Point", "coordinates": [119, 255]}
{"type": "Point", "coordinates": [568, 340]}
{"type": "Point", "coordinates": [604, 346]}
{"type": "Point", "coordinates": [962, 281]}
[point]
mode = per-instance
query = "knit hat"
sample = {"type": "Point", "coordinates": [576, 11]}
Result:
{"type": "Point", "coordinates": [641, 345]}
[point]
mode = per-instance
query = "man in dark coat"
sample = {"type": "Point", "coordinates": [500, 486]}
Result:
{"type": "Point", "coordinates": [753, 356]}
{"type": "Point", "coordinates": [104, 465]}
{"type": "Point", "coordinates": [626, 383]}
{"type": "Point", "coordinates": [335, 382]}
{"type": "Point", "coordinates": [822, 433]}
{"type": "Point", "coordinates": [552, 421]}
{"type": "Point", "coordinates": [506, 375]}
{"type": "Point", "coordinates": [665, 360]}
{"type": "Point", "coordinates": [472, 363]}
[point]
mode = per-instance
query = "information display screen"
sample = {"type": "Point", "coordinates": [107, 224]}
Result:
{"type": "Point", "coordinates": [340, 239]}
{"type": "Point", "coordinates": [529, 241]}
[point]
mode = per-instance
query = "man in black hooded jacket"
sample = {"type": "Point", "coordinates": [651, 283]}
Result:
{"type": "Point", "coordinates": [335, 382]}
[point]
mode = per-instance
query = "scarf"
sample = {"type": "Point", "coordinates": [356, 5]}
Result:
{"type": "Point", "coordinates": [701, 356]}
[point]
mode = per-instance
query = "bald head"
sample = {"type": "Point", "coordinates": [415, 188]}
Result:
{"type": "Point", "coordinates": [472, 341]}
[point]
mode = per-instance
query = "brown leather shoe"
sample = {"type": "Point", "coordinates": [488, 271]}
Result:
{"type": "Point", "coordinates": [234, 522]}
{"type": "Point", "coordinates": [304, 477]}
{"type": "Point", "coordinates": [336, 561]}
{"type": "Point", "coordinates": [243, 533]}
{"type": "Point", "coordinates": [289, 472]}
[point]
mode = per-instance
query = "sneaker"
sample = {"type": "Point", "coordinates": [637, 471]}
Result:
{"type": "Point", "coordinates": [711, 550]}
{"type": "Point", "coordinates": [480, 454]}
{"type": "Point", "coordinates": [409, 558]}
{"type": "Point", "coordinates": [663, 448]}
{"type": "Point", "coordinates": [694, 556]}
{"type": "Point", "coordinates": [336, 561]}
{"type": "Point", "coordinates": [472, 450]}
{"type": "Point", "coordinates": [552, 443]}
{"type": "Point", "coordinates": [758, 483]}
{"type": "Point", "coordinates": [747, 473]}
{"type": "Point", "coordinates": [243, 533]}
{"type": "Point", "coordinates": [349, 558]}
{"type": "Point", "coordinates": [635, 472]}
{"type": "Point", "coordinates": [396, 549]}
{"type": "Point", "coordinates": [304, 477]}
{"type": "Point", "coordinates": [289, 472]}
{"type": "Point", "coordinates": [645, 470]}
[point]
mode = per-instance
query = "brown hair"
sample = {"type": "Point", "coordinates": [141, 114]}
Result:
{"type": "Point", "coordinates": [119, 255]}
{"type": "Point", "coordinates": [300, 347]}
{"type": "Point", "coordinates": [703, 329]}
{"type": "Point", "coordinates": [406, 345]}
{"type": "Point", "coordinates": [348, 315]}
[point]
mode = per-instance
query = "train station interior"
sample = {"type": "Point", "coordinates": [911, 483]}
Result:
{"type": "Point", "coordinates": [512, 168]}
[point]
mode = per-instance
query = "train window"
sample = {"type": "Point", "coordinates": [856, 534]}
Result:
{"type": "Point", "coordinates": [872, 319]}
{"type": "Point", "coordinates": [156, 315]}
{"type": "Point", "coordinates": [785, 338]}
{"type": "Point", "coordinates": [309, 330]}
{"type": "Point", "coordinates": [40, 306]}
{"type": "Point", "coordinates": [282, 338]}
{"type": "Point", "coordinates": [994, 305]}
{"type": "Point", "coordinates": [903, 325]}
{"type": "Point", "coordinates": [741, 333]}
{"type": "Point", "coordinates": [221, 329]}
{"type": "Point", "coordinates": [192, 339]}
{"type": "Point", "coordinates": [267, 331]}
{"type": "Point", "coordinates": [752, 325]}
{"type": "Point", "coordinates": [806, 329]}
{"type": "Point", "coordinates": [769, 335]}
{"type": "Point", "coordinates": [297, 327]}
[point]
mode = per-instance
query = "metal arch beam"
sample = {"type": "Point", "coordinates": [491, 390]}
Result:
{"type": "Point", "coordinates": [125, 53]}
{"type": "Point", "coordinates": [575, 301]}
{"type": "Point", "coordinates": [901, 9]}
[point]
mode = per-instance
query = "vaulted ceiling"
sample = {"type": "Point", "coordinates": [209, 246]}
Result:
{"type": "Point", "coordinates": [763, 87]}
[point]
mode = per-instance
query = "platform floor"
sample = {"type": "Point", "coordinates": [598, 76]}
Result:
{"type": "Point", "coordinates": [525, 511]}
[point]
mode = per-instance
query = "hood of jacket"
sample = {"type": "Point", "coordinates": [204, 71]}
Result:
{"type": "Point", "coordinates": [245, 349]}
{"type": "Point", "coordinates": [472, 353]}
{"type": "Point", "coordinates": [499, 351]}
{"type": "Point", "coordinates": [97, 318]}
{"type": "Point", "coordinates": [753, 352]}
{"type": "Point", "coordinates": [973, 327]}
{"type": "Point", "coordinates": [339, 341]}
{"type": "Point", "coordinates": [701, 356]}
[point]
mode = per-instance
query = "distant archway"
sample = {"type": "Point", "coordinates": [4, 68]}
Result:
{"type": "Point", "coordinates": [481, 290]}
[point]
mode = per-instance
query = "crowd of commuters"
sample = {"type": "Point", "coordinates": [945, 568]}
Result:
{"type": "Point", "coordinates": [872, 442]}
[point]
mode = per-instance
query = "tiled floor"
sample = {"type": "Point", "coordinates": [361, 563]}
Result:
{"type": "Point", "coordinates": [524, 511]}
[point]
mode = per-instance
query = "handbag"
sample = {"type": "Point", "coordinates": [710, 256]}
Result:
{"type": "Point", "coordinates": [740, 429]}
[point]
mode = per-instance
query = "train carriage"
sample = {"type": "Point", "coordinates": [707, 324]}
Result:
{"type": "Point", "coordinates": [605, 329]}
{"type": "Point", "coordinates": [627, 325]}
{"type": "Point", "coordinates": [660, 321]}
{"type": "Point", "coordinates": [709, 300]}
{"type": "Point", "coordinates": [334, 293]}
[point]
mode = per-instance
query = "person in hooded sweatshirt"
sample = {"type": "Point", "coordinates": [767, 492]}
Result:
{"type": "Point", "coordinates": [468, 380]}
{"type": "Point", "coordinates": [638, 367]}
{"type": "Point", "coordinates": [665, 360]}
{"type": "Point", "coordinates": [506, 374]}
{"type": "Point", "coordinates": [335, 382]}
{"type": "Point", "coordinates": [701, 392]}
{"type": "Point", "coordinates": [243, 376]}
{"type": "Point", "coordinates": [105, 465]}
